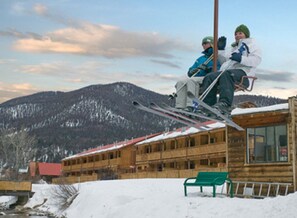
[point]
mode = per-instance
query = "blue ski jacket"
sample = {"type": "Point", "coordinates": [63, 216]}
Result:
{"type": "Point", "coordinates": [200, 63]}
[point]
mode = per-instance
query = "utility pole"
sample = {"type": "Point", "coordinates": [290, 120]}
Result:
{"type": "Point", "coordinates": [215, 35]}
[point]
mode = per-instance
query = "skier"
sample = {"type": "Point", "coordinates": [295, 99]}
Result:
{"type": "Point", "coordinates": [243, 59]}
{"type": "Point", "coordinates": [196, 73]}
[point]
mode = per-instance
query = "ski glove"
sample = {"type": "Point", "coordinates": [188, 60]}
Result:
{"type": "Point", "coordinates": [192, 72]}
{"type": "Point", "coordinates": [236, 57]}
{"type": "Point", "coordinates": [203, 67]}
{"type": "Point", "coordinates": [222, 43]}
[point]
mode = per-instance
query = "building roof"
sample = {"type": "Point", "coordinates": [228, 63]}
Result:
{"type": "Point", "coordinates": [277, 107]}
{"type": "Point", "coordinates": [204, 127]}
{"type": "Point", "coordinates": [113, 146]}
{"type": "Point", "coordinates": [49, 169]}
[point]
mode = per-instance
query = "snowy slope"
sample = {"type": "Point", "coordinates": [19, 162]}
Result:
{"type": "Point", "coordinates": [159, 198]}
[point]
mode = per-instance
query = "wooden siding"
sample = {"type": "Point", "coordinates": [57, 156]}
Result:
{"type": "Point", "coordinates": [204, 149]}
{"type": "Point", "coordinates": [238, 167]}
{"type": "Point", "coordinates": [293, 137]}
{"type": "Point", "coordinates": [75, 179]}
{"type": "Point", "coordinates": [118, 159]}
{"type": "Point", "coordinates": [171, 173]}
{"type": "Point", "coordinates": [15, 186]}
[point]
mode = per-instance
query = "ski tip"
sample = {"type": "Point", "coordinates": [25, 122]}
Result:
{"type": "Point", "coordinates": [152, 104]}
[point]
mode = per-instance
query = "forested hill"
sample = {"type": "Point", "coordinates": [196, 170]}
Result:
{"type": "Point", "coordinates": [68, 122]}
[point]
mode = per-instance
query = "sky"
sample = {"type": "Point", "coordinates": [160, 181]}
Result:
{"type": "Point", "coordinates": [63, 45]}
{"type": "Point", "coordinates": [158, 198]}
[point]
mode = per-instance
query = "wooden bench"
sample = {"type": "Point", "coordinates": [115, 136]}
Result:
{"type": "Point", "coordinates": [209, 179]}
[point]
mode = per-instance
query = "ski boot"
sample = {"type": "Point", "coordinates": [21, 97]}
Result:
{"type": "Point", "coordinates": [223, 108]}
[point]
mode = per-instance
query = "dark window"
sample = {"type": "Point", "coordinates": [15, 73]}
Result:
{"type": "Point", "coordinates": [267, 144]}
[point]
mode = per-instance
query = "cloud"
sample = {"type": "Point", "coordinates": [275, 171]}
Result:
{"type": "Point", "coordinates": [18, 8]}
{"type": "Point", "coordinates": [9, 91]}
{"type": "Point", "coordinates": [85, 38]}
{"type": "Point", "coordinates": [277, 76]}
{"type": "Point", "coordinates": [81, 72]}
{"type": "Point", "coordinates": [100, 40]}
{"type": "Point", "coordinates": [166, 63]}
{"type": "Point", "coordinates": [7, 61]}
{"type": "Point", "coordinates": [40, 9]}
{"type": "Point", "coordinates": [47, 46]}
{"type": "Point", "coordinates": [283, 93]}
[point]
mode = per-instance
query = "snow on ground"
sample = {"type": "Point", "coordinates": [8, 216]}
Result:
{"type": "Point", "coordinates": [154, 198]}
{"type": "Point", "coordinates": [6, 201]}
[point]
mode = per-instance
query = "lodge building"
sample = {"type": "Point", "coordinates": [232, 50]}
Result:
{"type": "Point", "coordinates": [265, 151]}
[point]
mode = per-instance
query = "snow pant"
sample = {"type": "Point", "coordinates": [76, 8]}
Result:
{"type": "Point", "coordinates": [225, 86]}
{"type": "Point", "coordinates": [183, 87]}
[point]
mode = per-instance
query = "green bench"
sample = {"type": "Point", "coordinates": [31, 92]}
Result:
{"type": "Point", "coordinates": [209, 179]}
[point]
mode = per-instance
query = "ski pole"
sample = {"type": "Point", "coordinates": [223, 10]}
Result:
{"type": "Point", "coordinates": [173, 95]}
{"type": "Point", "coordinates": [205, 93]}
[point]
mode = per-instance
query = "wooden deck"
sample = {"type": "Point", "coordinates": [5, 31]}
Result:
{"type": "Point", "coordinates": [11, 188]}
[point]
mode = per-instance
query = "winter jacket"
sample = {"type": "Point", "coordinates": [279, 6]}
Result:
{"type": "Point", "coordinates": [200, 61]}
{"type": "Point", "coordinates": [250, 59]}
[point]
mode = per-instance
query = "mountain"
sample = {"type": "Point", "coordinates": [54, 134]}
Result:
{"type": "Point", "coordinates": [68, 122]}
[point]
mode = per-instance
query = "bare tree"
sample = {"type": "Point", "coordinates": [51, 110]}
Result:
{"type": "Point", "coordinates": [64, 194]}
{"type": "Point", "coordinates": [18, 149]}
{"type": "Point", "coordinates": [5, 148]}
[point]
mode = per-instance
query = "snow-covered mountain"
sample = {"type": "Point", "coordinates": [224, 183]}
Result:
{"type": "Point", "coordinates": [68, 122]}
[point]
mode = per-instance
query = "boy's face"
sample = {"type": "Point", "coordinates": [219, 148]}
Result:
{"type": "Point", "coordinates": [206, 45]}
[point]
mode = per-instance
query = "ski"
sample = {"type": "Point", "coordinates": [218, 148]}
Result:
{"type": "Point", "coordinates": [188, 113]}
{"type": "Point", "coordinates": [183, 116]}
{"type": "Point", "coordinates": [217, 113]}
{"type": "Point", "coordinates": [161, 113]}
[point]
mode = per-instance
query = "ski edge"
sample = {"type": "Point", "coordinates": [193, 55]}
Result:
{"type": "Point", "coordinates": [228, 121]}
{"type": "Point", "coordinates": [162, 114]}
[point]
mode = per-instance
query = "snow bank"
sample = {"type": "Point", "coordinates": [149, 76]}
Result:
{"type": "Point", "coordinates": [160, 198]}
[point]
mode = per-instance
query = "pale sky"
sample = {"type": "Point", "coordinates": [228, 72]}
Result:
{"type": "Point", "coordinates": [66, 45]}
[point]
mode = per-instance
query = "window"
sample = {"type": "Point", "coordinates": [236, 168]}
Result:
{"type": "Point", "coordinates": [204, 139]}
{"type": "Point", "coordinates": [110, 156]}
{"type": "Point", "coordinates": [148, 149]}
{"type": "Point", "coordinates": [172, 145]}
{"type": "Point", "coordinates": [190, 142]}
{"type": "Point", "coordinates": [172, 165]}
{"type": "Point", "coordinates": [267, 144]}
{"type": "Point", "coordinates": [159, 147]}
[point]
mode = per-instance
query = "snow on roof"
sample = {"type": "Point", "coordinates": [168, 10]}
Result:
{"type": "Point", "coordinates": [113, 146]}
{"type": "Point", "coordinates": [206, 126]}
{"type": "Point", "coordinates": [276, 107]}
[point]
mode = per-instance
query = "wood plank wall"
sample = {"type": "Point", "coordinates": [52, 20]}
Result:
{"type": "Point", "coordinates": [267, 172]}
{"type": "Point", "coordinates": [293, 132]}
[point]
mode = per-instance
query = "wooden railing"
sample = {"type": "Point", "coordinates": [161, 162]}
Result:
{"type": "Point", "coordinates": [75, 179]}
{"type": "Point", "coordinates": [171, 173]}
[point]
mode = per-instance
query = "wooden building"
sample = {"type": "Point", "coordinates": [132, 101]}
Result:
{"type": "Point", "coordinates": [266, 150]}
{"type": "Point", "coordinates": [176, 154]}
{"type": "Point", "coordinates": [182, 153]}
{"type": "Point", "coordinates": [105, 162]}
{"type": "Point", "coordinates": [45, 171]}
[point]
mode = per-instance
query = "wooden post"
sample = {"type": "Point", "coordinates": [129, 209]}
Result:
{"type": "Point", "coordinates": [215, 35]}
{"type": "Point", "coordinates": [292, 110]}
